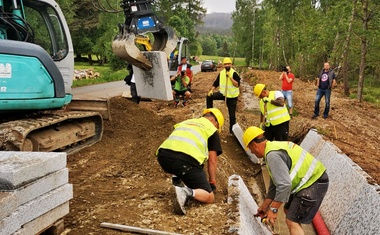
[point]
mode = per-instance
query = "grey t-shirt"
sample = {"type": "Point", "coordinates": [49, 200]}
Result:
{"type": "Point", "coordinates": [279, 163]}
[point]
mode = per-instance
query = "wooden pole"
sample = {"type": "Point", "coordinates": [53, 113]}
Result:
{"type": "Point", "coordinates": [135, 229]}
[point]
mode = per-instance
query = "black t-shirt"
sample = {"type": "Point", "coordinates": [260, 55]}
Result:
{"type": "Point", "coordinates": [213, 144]}
{"type": "Point", "coordinates": [235, 76]}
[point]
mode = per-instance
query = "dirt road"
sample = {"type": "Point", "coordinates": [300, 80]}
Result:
{"type": "Point", "coordinates": [118, 180]}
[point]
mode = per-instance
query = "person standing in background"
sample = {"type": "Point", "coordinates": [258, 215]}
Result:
{"type": "Point", "coordinates": [325, 82]}
{"type": "Point", "coordinates": [287, 78]}
{"type": "Point", "coordinates": [228, 82]}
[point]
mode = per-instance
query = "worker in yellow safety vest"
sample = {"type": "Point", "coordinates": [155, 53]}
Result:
{"type": "Point", "coordinates": [228, 81]}
{"type": "Point", "coordinates": [274, 113]}
{"type": "Point", "coordinates": [296, 178]}
{"type": "Point", "coordinates": [183, 154]}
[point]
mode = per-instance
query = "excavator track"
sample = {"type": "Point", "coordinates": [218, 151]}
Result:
{"type": "Point", "coordinates": [61, 132]}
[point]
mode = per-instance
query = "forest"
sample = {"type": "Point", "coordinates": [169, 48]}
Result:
{"type": "Point", "coordinates": [268, 34]}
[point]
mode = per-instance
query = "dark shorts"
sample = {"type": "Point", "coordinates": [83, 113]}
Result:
{"type": "Point", "coordinates": [303, 205]}
{"type": "Point", "coordinates": [180, 92]}
{"type": "Point", "coordinates": [192, 174]}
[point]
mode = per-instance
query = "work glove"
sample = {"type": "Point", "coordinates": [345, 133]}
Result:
{"type": "Point", "coordinates": [210, 93]}
{"type": "Point", "coordinates": [266, 100]}
{"type": "Point", "coordinates": [213, 187]}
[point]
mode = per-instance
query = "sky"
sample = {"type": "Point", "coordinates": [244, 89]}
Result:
{"type": "Point", "coordinates": [225, 6]}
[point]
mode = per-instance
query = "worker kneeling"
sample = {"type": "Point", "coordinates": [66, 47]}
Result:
{"type": "Point", "coordinates": [181, 88]}
{"type": "Point", "coordinates": [296, 179]}
{"type": "Point", "coordinates": [183, 154]}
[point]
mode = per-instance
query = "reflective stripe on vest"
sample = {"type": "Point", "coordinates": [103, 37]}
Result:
{"type": "Point", "coordinates": [191, 137]}
{"type": "Point", "coordinates": [275, 115]}
{"type": "Point", "coordinates": [232, 91]}
{"type": "Point", "coordinates": [305, 169]}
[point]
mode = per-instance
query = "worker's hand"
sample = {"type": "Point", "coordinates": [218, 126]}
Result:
{"type": "Point", "coordinates": [210, 93]}
{"type": "Point", "coordinates": [260, 212]}
{"type": "Point", "coordinates": [266, 100]}
{"type": "Point", "coordinates": [271, 217]}
{"type": "Point", "coordinates": [213, 187]}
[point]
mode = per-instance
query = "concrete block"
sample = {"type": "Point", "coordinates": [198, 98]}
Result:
{"type": "Point", "coordinates": [154, 83]}
{"type": "Point", "coordinates": [44, 221]}
{"type": "Point", "coordinates": [352, 202]}
{"type": "Point", "coordinates": [41, 186]}
{"type": "Point", "coordinates": [243, 208]}
{"type": "Point", "coordinates": [238, 132]}
{"type": "Point", "coordinates": [35, 208]}
{"type": "Point", "coordinates": [8, 204]}
{"type": "Point", "coordinates": [19, 168]}
{"type": "Point", "coordinates": [312, 142]}
{"type": "Point", "coordinates": [363, 214]}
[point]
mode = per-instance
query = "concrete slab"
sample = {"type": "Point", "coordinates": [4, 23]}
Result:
{"type": "Point", "coordinates": [243, 209]}
{"type": "Point", "coordinates": [8, 204]}
{"type": "Point", "coordinates": [44, 221]}
{"type": "Point", "coordinates": [41, 186]}
{"type": "Point", "coordinates": [363, 214]}
{"type": "Point", "coordinates": [33, 209]}
{"type": "Point", "coordinates": [154, 83]}
{"type": "Point", "coordinates": [352, 202]}
{"type": "Point", "coordinates": [19, 168]}
{"type": "Point", "coordinates": [238, 132]}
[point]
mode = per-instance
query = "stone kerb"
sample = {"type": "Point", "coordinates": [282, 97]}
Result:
{"type": "Point", "coordinates": [351, 205]}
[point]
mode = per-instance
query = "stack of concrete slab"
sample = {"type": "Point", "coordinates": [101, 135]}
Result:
{"type": "Point", "coordinates": [352, 202]}
{"type": "Point", "coordinates": [34, 191]}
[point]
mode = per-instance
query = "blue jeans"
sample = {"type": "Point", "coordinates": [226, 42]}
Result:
{"type": "Point", "coordinates": [288, 95]}
{"type": "Point", "coordinates": [318, 97]}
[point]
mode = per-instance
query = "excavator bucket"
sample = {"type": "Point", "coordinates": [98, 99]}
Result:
{"type": "Point", "coordinates": [140, 19]}
{"type": "Point", "coordinates": [125, 47]}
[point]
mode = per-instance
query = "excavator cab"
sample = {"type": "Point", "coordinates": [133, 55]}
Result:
{"type": "Point", "coordinates": [140, 20]}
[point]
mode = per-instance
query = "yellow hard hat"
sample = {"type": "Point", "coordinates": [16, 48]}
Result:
{"type": "Point", "coordinates": [251, 133]}
{"type": "Point", "coordinates": [227, 61]}
{"type": "Point", "coordinates": [219, 116]}
{"type": "Point", "coordinates": [258, 89]}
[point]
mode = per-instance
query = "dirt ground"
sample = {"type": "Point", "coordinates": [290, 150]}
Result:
{"type": "Point", "coordinates": [118, 180]}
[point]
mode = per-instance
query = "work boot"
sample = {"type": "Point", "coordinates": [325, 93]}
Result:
{"type": "Point", "coordinates": [184, 104]}
{"type": "Point", "coordinates": [183, 195]}
{"type": "Point", "coordinates": [176, 104]}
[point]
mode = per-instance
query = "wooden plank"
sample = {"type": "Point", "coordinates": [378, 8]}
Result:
{"type": "Point", "coordinates": [135, 229]}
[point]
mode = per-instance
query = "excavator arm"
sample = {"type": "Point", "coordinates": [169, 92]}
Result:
{"type": "Point", "coordinates": [140, 20]}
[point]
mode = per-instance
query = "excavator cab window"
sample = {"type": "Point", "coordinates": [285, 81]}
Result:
{"type": "Point", "coordinates": [48, 31]}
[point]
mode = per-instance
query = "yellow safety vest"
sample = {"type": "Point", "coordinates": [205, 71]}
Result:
{"type": "Point", "coordinates": [275, 115]}
{"type": "Point", "coordinates": [224, 82]}
{"type": "Point", "coordinates": [191, 137]}
{"type": "Point", "coordinates": [305, 169]}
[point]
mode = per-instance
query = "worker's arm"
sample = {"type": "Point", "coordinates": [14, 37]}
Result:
{"type": "Point", "coordinates": [278, 101]}
{"type": "Point", "coordinates": [212, 160]}
{"type": "Point", "coordinates": [235, 79]}
{"type": "Point", "coordinates": [185, 81]}
{"type": "Point", "coordinates": [173, 77]}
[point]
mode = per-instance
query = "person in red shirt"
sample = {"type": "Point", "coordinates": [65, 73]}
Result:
{"type": "Point", "coordinates": [287, 79]}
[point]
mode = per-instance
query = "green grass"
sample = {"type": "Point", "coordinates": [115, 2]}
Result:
{"type": "Point", "coordinates": [106, 74]}
{"type": "Point", "coordinates": [237, 62]}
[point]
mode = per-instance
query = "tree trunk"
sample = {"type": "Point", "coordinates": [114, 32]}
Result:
{"type": "Point", "coordinates": [346, 51]}
{"type": "Point", "coordinates": [90, 62]}
{"type": "Point", "coordinates": [363, 53]}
